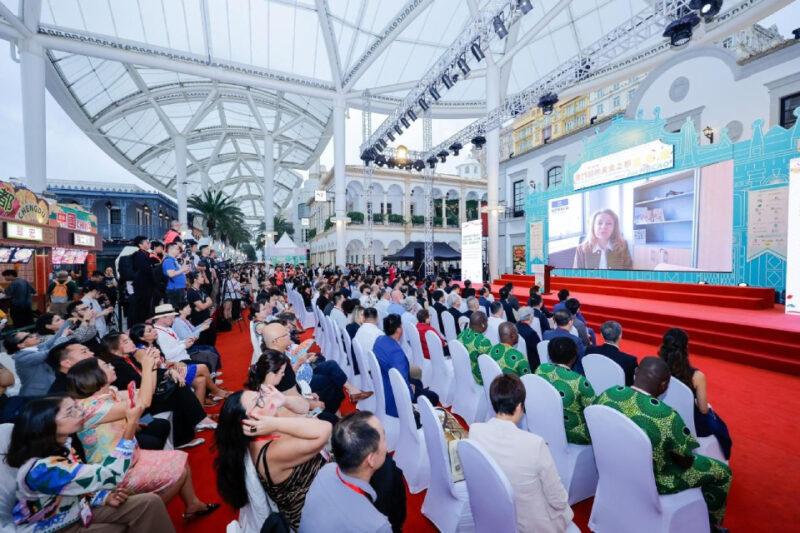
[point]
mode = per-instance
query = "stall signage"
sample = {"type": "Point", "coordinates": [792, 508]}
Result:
{"type": "Point", "coordinates": [81, 239]}
{"type": "Point", "coordinates": [17, 203]}
{"type": "Point", "coordinates": [74, 218]}
{"type": "Point", "coordinates": [23, 232]}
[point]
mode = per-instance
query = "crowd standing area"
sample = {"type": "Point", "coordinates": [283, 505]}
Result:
{"type": "Point", "coordinates": [183, 393]}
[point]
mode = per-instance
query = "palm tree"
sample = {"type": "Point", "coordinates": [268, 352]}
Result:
{"type": "Point", "coordinates": [220, 212]}
{"type": "Point", "coordinates": [280, 226]}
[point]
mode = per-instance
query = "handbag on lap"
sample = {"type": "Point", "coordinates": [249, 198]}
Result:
{"type": "Point", "coordinates": [453, 432]}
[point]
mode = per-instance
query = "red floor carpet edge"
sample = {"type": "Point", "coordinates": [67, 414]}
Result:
{"type": "Point", "coordinates": [759, 406]}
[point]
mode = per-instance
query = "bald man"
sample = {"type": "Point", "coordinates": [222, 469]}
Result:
{"type": "Point", "coordinates": [676, 467]}
{"type": "Point", "coordinates": [475, 342]}
{"type": "Point", "coordinates": [511, 360]}
{"type": "Point", "coordinates": [396, 307]}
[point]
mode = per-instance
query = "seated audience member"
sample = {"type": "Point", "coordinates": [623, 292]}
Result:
{"type": "Point", "coordinates": [511, 360]}
{"type": "Point", "coordinates": [539, 311]}
{"type": "Point", "coordinates": [323, 298]}
{"type": "Point", "coordinates": [674, 351]}
{"type": "Point", "coordinates": [337, 314]}
{"type": "Point", "coordinates": [344, 496]}
{"type": "Point", "coordinates": [175, 349]}
{"type": "Point", "coordinates": [424, 326]}
{"type": "Point", "coordinates": [525, 459]}
{"type": "Point", "coordinates": [29, 353]}
{"type": "Point", "coordinates": [202, 307]}
{"type": "Point", "coordinates": [469, 291]}
{"type": "Point", "coordinates": [576, 392]}
{"type": "Point", "coordinates": [505, 294]}
{"type": "Point", "coordinates": [396, 306]}
{"type": "Point", "coordinates": [472, 306]}
{"type": "Point", "coordinates": [390, 355]}
{"type": "Point", "coordinates": [495, 319]}
{"type": "Point", "coordinates": [184, 329]}
{"type": "Point", "coordinates": [287, 459]}
{"type": "Point", "coordinates": [53, 476]}
{"type": "Point", "coordinates": [272, 370]}
{"type": "Point", "coordinates": [386, 300]}
{"type": "Point", "coordinates": [585, 333]}
{"type": "Point", "coordinates": [61, 359]}
{"type": "Point", "coordinates": [367, 298]}
{"type": "Point", "coordinates": [529, 334]}
{"type": "Point", "coordinates": [675, 465]}
{"type": "Point", "coordinates": [563, 320]}
{"type": "Point", "coordinates": [162, 472]}
{"type": "Point", "coordinates": [90, 294]}
{"type": "Point", "coordinates": [410, 308]}
{"type": "Point", "coordinates": [355, 317]}
{"type": "Point", "coordinates": [438, 297]}
{"type": "Point", "coordinates": [369, 330]}
{"type": "Point", "coordinates": [81, 328]}
{"type": "Point", "coordinates": [484, 299]}
{"type": "Point", "coordinates": [454, 308]}
{"type": "Point", "coordinates": [562, 295]}
{"type": "Point", "coordinates": [612, 335]}
{"type": "Point", "coordinates": [475, 342]}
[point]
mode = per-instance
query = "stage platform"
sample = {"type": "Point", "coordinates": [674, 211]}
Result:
{"type": "Point", "coordinates": [764, 337]}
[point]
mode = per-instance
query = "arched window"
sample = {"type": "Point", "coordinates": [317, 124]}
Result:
{"type": "Point", "coordinates": [554, 176]}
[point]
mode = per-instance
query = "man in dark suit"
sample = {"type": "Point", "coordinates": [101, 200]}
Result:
{"type": "Point", "coordinates": [454, 305]}
{"type": "Point", "coordinates": [485, 303]}
{"type": "Point", "coordinates": [507, 307]}
{"type": "Point", "coordinates": [141, 301]}
{"type": "Point", "coordinates": [612, 334]}
{"type": "Point", "coordinates": [438, 304]}
{"type": "Point", "coordinates": [529, 334]}
{"type": "Point", "coordinates": [535, 302]}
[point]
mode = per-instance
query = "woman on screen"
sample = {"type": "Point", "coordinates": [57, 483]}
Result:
{"type": "Point", "coordinates": [606, 248]}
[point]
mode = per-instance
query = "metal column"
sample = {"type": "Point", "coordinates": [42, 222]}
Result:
{"type": "Point", "coordinates": [180, 179]}
{"type": "Point", "coordinates": [32, 68]}
{"type": "Point", "coordinates": [340, 180]}
{"type": "Point", "coordinates": [427, 142]}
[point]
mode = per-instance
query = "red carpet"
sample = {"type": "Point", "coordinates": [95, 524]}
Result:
{"type": "Point", "coordinates": [759, 406]}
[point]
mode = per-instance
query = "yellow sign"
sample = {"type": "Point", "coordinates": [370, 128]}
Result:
{"type": "Point", "coordinates": [23, 232]}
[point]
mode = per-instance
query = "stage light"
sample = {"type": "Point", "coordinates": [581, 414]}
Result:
{"type": "Point", "coordinates": [398, 129]}
{"type": "Point", "coordinates": [434, 93]}
{"type": "Point", "coordinates": [423, 104]}
{"type": "Point", "coordinates": [419, 165]}
{"type": "Point", "coordinates": [448, 83]}
{"type": "Point", "coordinates": [401, 154]}
{"type": "Point", "coordinates": [443, 155]}
{"type": "Point", "coordinates": [412, 115]}
{"type": "Point", "coordinates": [499, 27]}
{"type": "Point", "coordinates": [680, 31]}
{"type": "Point", "coordinates": [366, 156]}
{"type": "Point", "coordinates": [455, 147]}
{"type": "Point", "coordinates": [524, 6]}
{"type": "Point", "coordinates": [432, 161]}
{"type": "Point", "coordinates": [380, 160]}
{"type": "Point", "coordinates": [476, 50]}
{"type": "Point", "coordinates": [391, 162]}
{"type": "Point", "coordinates": [390, 135]}
{"type": "Point", "coordinates": [462, 64]}
{"type": "Point", "coordinates": [404, 121]}
{"type": "Point", "coordinates": [547, 101]}
{"type": "Point", "coordinates": [478, 142]}
{"type": "Point", "coordinates": [707, 8]}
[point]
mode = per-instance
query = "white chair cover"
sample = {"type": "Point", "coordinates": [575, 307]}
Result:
{"type": "Point", "coordinates": [469, 400]}
{"type": "Point", "coordinates": [536, 326]}
{"type": "Point", "coordinates": [489, 370]}
{"type": "Point", "coordinates": [8, 362]}
{"type": "Point", "coordinates": [8, 482]}
{"type": "Point", "coordinates": [418, 358]}
{"type": "Point", "coordinates": [602, 372]}
{"type": "Point", "coordinates": [347, 343]}
{"type": "Point", "coordinates": [411, 456]}
{"type": "Point", "coordinates": [680, 397]}
{"type": "Point", "coordinates": [522, 346]}
{"type": "Point", "coordinates": [544, 357]}
{"type": "Point", "coordinates": [544, 411]}
{"type": "Point", "coordinates": [491, 498]}
{"type": "Point", "coordinates": [463, 322]}
{"type": "Point", "coordinates": [492, 333]}
{"type": "Point", "coordinates": [449, 326]}
{"type": "Point", "coordinates": [627, 499]}
{"type": "Point", "coordinates": [366, 381]}
{"type": "Point", "coordinates": [253, 515]}
{"type": "Point", "coordinates": [446, 503]}
{"type": "Point", "coordinates": [390, 424]}
{"type": "Point", "coordinates": [442, 369]}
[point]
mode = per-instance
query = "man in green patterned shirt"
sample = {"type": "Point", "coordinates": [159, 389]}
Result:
{"type": "Point", "coordinates": [676, 468]}
{"type": "Point", "coordinates": [475, 342]}
{"type": "Point", "coordinates": [511, 360]}
{"type": "Point", "coordinates": [576, 393]}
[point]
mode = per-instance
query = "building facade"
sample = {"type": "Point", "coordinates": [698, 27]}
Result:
{"type": "Point", "coordinates": [397, 203]}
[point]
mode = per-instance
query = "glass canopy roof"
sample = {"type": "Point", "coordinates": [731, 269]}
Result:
{"type": "Point", "coordinates": [224, 73]}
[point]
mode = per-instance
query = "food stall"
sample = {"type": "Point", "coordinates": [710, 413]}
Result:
{"type": "Point", "coordinates": [27, 236]}
{"type": "Point", "coordinates": [77, 241]}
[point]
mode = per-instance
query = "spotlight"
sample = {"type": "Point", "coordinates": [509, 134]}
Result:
{"type": "Point", "coordinates": [380, 160]}
{"type": "Point", "coordinates": [455, 147]}
{"type": "Point", "coordinates": [419, 165]}
{"type": "Point", "coordinates": [366, 156]}
{"type": "Point", "coordinates": [423, 104]}
{"type": "Point", "coordinates": [398, 129]}
{"type": "Point", "coordinates": [499, 27]}
{"type": "Point", "coordinates": [432, 161]}
{"type": "Point", "coordinates": [479, 141]}
{"type": "Point", "coordinates": [412, 115]}
{"type": "Point", "coordinates": [391, 162]}
{"type": "Point", "coordinates": [462, 64]}
{"type": "Point", "coordinates": [584, 68]}
{"type": "Point", "coordinates": [448, 83]}
{"type": "Point", "coordinates": [401, 154]}
{"type": "Point", "coordinates": [404, 121]}
{"type": "Point", "coordinates": [707, 8]}
{"type": "Point", "coordinates": [476, 50]}
{"type": "Point", "coordinates": [434, 93]}
{"type": "Point", "coordinates": [524, 6]}
{"type": "Point", "coordinates": [680, 31]}
{"type": "Point", "coordinates": [547, 101]}
{"type": "Point", "coordinates": [390, 135]}
{"type": "Point", "coordinates": [443, 155]}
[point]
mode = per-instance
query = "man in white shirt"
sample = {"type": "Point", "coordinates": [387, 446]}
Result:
{"type": "Point", "coordinates": [525, 459]}
{"type": "Point", "coordinates": [337, 313]}
{"type": "Point", "coordinates": [495, 319]}
{"type": "Point", "coordinates": [172, 347]}
{"type": "Point", "coordinates": [369, 331]}
{"type": "Point", "coordinates": [383, 304]}
{"type": "Point", "coordinates": [90, 299]}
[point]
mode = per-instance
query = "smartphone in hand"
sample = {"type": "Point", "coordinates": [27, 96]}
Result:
{"type": "Point", "coordinates": [132, 393]}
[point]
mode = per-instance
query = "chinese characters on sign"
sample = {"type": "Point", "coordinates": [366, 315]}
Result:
{"type": "Point", "coordinates": [23, 232]}
{"type": "Point", "coordinates": [81, 239]}
{"type": "Point", "coordinates": [635, 161]}
{"type": "Point", "coordinates": [472, 251]}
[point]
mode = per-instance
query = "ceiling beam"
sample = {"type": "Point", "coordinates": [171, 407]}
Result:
{"type": "Point", "coordinates": [330, 42]}
{"type": "Point", "coordinates": [537, 28]}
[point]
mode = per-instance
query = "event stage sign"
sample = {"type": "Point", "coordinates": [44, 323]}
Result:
{"type": "Point", "coordinates": [793, 241]}
{"type": "Point", "coordinates": [536, 241]}
{"type": "Point", "coordinates": [472, 251]}
{"type": "Point", "coordinates": [766, 221]}
{"type": "Point", "coordinates": [634, 161]}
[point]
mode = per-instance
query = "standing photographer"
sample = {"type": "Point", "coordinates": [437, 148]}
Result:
{"type": "Point", "coordinates": [175, 271]}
